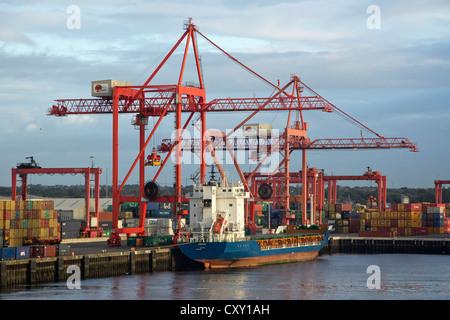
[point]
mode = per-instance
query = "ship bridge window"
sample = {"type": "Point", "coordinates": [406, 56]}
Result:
{"type": "Point", "coordinates": [207, 203]}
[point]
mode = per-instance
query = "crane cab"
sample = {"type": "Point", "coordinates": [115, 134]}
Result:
{"type": "Point", "coordinates": [153, 159]}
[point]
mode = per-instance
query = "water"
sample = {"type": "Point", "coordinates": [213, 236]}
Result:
{"type": "Point", "coordinates": [330, 277]}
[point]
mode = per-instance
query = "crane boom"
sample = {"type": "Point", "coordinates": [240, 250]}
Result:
{"type": "Point", "coordinates": [266, 144]}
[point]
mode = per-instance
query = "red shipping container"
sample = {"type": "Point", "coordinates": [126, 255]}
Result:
{"type": "Point", "coordinates": [7, 215]}
{"type": "Point", "coordinates": [37, 251]}
{"type": "Point", "coordinates": [104, 216]}
{"type": "Point", "coordinates": [343, 207]}
{"type": "Point", "coordinates": [259, 207]}
{"type": "Point", "coordinates": [413, 207]}
{"type": "Point", "coordinates": [401, 231]}
{"type": "Point", "coordinates": [377, 233]}
{"type": "Point", "coordinates": [50, 251]}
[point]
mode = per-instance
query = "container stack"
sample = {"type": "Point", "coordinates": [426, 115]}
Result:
{"type": "Point", "coordinates": [343, 218]}
{"type": "Point", "coordinates": [434, 218]}
{"type": "Point", "coordinates": [407, 219]}
{"type": "Point", "coordinates": [105, 223]}
{"type": "Point", "coordinates": [27, 219]}
{"type": "Point", "coordinates": [71, 229]}
{"type": "Point", "coordinates": [260, 212]}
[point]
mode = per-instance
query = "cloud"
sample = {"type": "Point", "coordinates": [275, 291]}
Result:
{"type": "Point", "coordinates": [394, 79]}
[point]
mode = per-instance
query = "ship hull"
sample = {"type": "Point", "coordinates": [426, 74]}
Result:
{"type": "Point", "coordinates": [248, 253]}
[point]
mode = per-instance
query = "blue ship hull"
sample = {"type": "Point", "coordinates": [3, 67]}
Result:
{"type": "Point", "coordinates": [248, 253]}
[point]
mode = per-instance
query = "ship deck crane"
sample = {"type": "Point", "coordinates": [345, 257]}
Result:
{"type": "Point", "coordinates": [158, 101]}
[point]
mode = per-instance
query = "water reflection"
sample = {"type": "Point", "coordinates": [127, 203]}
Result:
{"type": "Point", "coordinates": [340, 276]}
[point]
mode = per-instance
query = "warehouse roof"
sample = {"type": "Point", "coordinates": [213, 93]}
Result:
{"type": "Point", "coordinates": [74, 203]}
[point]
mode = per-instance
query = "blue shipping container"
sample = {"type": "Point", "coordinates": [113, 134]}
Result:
{"type": "Point", "coordinates": [350, 214]}
{"type": "Point", "coordinates": [22, 252]}
{"type": "Point", "coordinates": [161, 213]}
{"type": "Point", "coordinates": [438, 223]}
{"type": "Point", "coordinates": [8, 253]}
{"type": "Point", "coordinates": [152, 205]}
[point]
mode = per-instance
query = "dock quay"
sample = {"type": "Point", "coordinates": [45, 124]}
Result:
{"type": "Point", "coordinates": [351, 243]}
{"type": "Point", "coordinates": [96, 260]}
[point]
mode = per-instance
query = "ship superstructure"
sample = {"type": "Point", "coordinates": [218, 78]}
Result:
{"type": "Point", "coordinates": [217, 212]}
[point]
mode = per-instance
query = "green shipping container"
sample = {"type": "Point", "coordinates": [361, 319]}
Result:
{"type": "Point", "coordinates": [151, 241]}
{"type": "Point", "coordinates": [165, 240]}
{"type": "Point", "coordinates": [135, 241]}
{"type": "Point", "coordinates": [155, 241]}
{"type": "Point", "coordinates": [107, 232]}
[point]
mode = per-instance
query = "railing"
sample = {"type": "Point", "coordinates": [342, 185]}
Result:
{"type": "Point", "coordinates": [286, 242]}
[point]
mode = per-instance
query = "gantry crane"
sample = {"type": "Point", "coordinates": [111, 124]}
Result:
{"type": "Point", "coordinates": [158, 101]}
{"type": "Point", "coordinates": [438, 189]}
{"type": "Point", "coordinates": [23, 170]}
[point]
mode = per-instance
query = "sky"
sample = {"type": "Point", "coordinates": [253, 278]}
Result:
{"type": "Point", "coordinates": [385, 63]}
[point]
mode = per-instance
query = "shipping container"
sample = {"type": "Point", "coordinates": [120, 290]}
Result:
{"type": "Point", "coordinates": [74, 225]}
{"type": "Point", "coordinates": [22, 252]}
{"type": "Point", "coordinates": [104, 88]}
{"type": "Point", "coordinates": [63, 250]}
{"type": "Point", "coordinates": [8, 253]}
{"type": "Point", "coordinates": [43, 251]}
{"type": "Point", "coordinates": [350, 214]}
{"type": "Point", "coordinates": [388, 234]}
{"type": "Point", "coordinates": [104, 216]}
{"type": "Point", "coordinates": [257, 129]}
{"type": "Point", "coordinates": [135, 241]}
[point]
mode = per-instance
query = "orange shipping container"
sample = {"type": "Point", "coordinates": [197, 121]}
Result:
{"type": "Point", "coordinates": [105, 216]}
{"type": "Point", "coordinates": [416, 223]}
{"type": "Point", "coordinates": [439, 230]}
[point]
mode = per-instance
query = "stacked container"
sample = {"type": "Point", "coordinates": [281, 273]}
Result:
{"type": "Point", "coordinates": [105, 222]}
{"type": "Point", "coordinates": [27, 219]}
{"type": "Point", "coordinates": [408, 219]}
{"type": "Point", "coordinates": [434, 218]}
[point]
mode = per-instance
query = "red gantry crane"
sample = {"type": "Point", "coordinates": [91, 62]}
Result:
{"type": "Point", "coordinates": [24, 169]}
{"type": "Point", "coordinates": [150, 100]}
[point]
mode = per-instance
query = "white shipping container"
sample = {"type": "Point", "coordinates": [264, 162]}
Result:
{"type": "Point", "coordinates": [94, 222]}
{"type": "Point", "coordinates": [150, 222]}
{"type": "Point", "coordinates": [103, 88]}
{"type": "Point", "coordinates": [164, 223]}
{"type": "Point", "coordinates": [435, 210]}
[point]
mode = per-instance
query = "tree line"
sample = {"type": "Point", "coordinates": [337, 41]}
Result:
{"type": "Point", "coordinates": [344, 194]}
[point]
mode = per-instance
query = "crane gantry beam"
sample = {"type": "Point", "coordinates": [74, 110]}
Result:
{"type": "Point", "coordinates": [266, 144]}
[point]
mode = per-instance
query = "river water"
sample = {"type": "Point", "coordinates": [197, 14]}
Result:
{"type": "Point", "coordinates": [330, 277]}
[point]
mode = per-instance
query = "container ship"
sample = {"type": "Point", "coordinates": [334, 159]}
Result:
{"type": "Point", "coordinates": [217, 232]}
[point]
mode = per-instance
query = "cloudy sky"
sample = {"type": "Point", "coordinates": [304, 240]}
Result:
{"type": "Point", "coordinates": [393, 78]}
